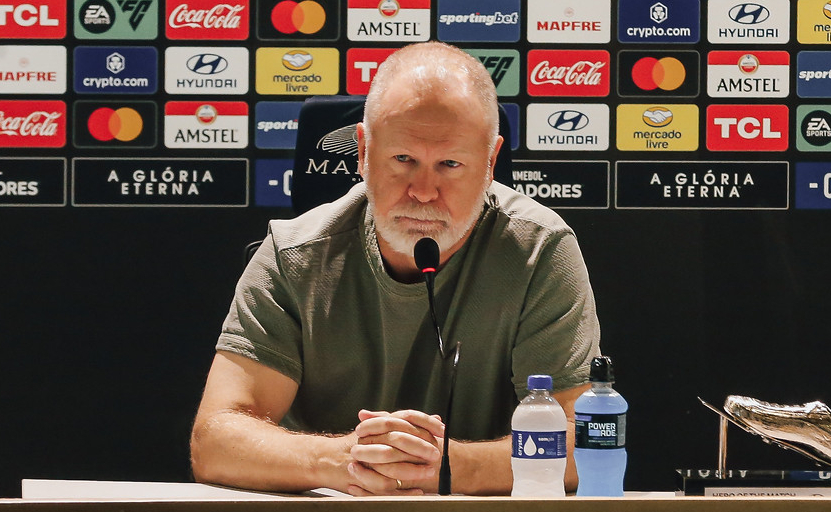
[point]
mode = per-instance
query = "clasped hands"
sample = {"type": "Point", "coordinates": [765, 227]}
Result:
{"type": "Point", "coordinates": [395, 453]}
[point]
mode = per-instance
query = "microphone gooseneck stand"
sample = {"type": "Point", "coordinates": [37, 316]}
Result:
{"type": "Point", "coordinates": [426, 253]}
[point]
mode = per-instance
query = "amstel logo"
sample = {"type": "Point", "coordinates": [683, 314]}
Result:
{"type": "Point", "coordinates": [388, 8]}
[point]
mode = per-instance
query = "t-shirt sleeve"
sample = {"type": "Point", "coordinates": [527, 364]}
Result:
{"type": "Point", "coordinates": [559, 332]}
{"type": "Point", "coordinates": [263, 322]}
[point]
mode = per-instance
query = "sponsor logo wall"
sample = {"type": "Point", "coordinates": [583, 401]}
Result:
{"type": "Point", "coordinates": [196, 102]}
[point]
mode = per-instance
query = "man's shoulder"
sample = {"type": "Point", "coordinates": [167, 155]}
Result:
{"type": "Point", "coordinates": [522, 211]}
{"type": "Point", "coordinates": [321, 223]}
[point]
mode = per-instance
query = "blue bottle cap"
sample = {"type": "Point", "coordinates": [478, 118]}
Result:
{"type": "Point", "coordinates": [540, 382]}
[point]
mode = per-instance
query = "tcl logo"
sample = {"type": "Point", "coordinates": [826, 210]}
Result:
{"type": "Point", "coordinates": [32, 124]}
{"type": "Point", "coordinates": [207, 19]}
{"type": "Point", "coordinates": [747, 127]}
{"type": "Point", "coordinates": [361, 66]}
{"type": "Point", "coordinates": [568, 73]}
{"type": "Point", "coordinates": [28, 19]}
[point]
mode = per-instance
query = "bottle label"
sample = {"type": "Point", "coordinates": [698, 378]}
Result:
{"type": "Point", "coordinates": [603, 431]}
{"type": "Point", "coordinates": [539, 445]}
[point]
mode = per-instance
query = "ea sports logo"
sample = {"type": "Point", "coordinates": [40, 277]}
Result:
{"type": "Point", "coordinates": [568, 120]}
{"type": "Point", "coordinates": [306, 17]}
{"type": "Point", "coordinates": [657, 117]}
{"type": "Point", "coordinates": [207, 64]}
{"type": "Point", "coordinates": [388, 8]}
{"type": "Point", "coordinates": [206, 114]}
{"type": "Point", "coordinates": [97, 16]}
{"type": "Point", "coordinates": [124, 124]}
{"type": "Point", "coordinates": [816, 128]}
{"type": "Point", "coordinates": [749, 14]}
{"type": "Point", "coordinates": [748, 64]}
{"type": "Point", "coordinates": [297, 60]}
{"type": "Point", "coordinates": [667, 73]}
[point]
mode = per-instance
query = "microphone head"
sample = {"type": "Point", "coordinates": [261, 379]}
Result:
{"type": "Point", "coordinates": [426, 254]}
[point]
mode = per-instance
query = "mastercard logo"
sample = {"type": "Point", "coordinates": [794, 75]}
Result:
{"type": "Point", "coordinates": [124, 124]}
{"type": "Point", "coordinates": [306, 17]}
{"type": "Point", "coordinates": [657, 117]}
{"type": "Point", "coordinates": [667, 73]}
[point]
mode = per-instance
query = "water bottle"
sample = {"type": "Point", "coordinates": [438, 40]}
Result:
{"type": "Point", "coordinates": [538, 457]}
{"type": "Point", "coordinates": [600, 428]}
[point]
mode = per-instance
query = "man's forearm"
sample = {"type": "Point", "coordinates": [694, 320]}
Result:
{"type": "Point", "coordinates": [238, 450]}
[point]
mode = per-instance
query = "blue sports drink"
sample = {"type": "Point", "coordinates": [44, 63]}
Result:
{"type": "Point", "coordinates": [600, 440]}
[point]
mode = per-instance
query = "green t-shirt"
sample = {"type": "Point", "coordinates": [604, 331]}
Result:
{"type": "Point", "coordinates": [316, 304]}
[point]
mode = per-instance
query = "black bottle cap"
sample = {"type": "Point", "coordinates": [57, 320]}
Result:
{"type": "Point", "coordinates": [601, 370]}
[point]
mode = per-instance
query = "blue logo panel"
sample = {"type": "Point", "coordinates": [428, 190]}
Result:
{"type": "Point", "coordinates": [813, 185]}
{"type": "Point", "coordinates": [659, 21]}
{"type": "Point", "coordinates": [479, 20]}
{"type": "Point", "coordinates": [276, 124]}
{"type": "Point", "coordinates": [813, 74]}
{"type": "Point", "coordinates": [512, 110]}
{"type": "Point", "coordinates": [272, 182]}
{"type": "Point", "coordinates": [116, 69]}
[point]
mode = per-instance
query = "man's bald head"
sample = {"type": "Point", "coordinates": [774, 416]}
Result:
{"type": "Point", "coordinates": [433, 68]}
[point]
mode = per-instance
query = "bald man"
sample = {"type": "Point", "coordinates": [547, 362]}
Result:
{"type": "Point", "coordinates": [327, 371]}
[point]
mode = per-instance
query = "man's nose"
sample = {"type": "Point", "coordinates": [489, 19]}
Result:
{"type": "Point", "coordinates": [424, 186]}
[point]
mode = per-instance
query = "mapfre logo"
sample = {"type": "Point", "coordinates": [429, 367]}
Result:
{"type": "Point", "coordinates": [568, 73]}
{"type": "Point", "coordinates": [32, 19]}
{"type": "Point", "coordinates": [747, 127]}
{"type": "Point", "coordinates": [207, 19]}
{"type": "Point", "coordinates": [32, 124]}
{"type": "Point", "coordinates": [361, 66]}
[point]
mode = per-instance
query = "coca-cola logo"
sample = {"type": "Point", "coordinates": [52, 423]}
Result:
{"type": "Point", "coordinates": [40, 123]}
{"type": "Point", "coordinates": [580, 73]}
{"type": "Point", "coordinates": [568, 73]}
{"type": "Point", "coordinates": [223, 16]}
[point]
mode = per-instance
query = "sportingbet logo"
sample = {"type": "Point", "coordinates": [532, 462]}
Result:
{"type": "Point", "coordinates": [747, 127]}
{"type": "Point", "coordinates": [30, 19]}
{"type": "Point", "coordinates": [32, 124]}
{"type": "Point", "coordinates": [207, 19]}
{"type": "Point", "coordinates": [568, 73]}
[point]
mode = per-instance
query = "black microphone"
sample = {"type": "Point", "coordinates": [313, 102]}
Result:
{"type": "Point", "coordinates": [427, 256]}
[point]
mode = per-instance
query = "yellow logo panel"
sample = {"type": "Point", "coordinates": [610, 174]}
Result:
{"type": "Point", "coordinates": [813, 21]}
{"type": "Point", "coordinates": [297, 71]}
{"type": "Point", "coordinates": [657, 127]}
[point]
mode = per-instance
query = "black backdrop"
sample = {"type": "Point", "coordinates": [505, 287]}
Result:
{"type": "Point", "coordinates": [108, 317]}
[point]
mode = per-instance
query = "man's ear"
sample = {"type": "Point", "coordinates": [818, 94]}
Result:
{"type": "Point", "coordinates": [361, 133]}
{"type": "Point", "coordinates": [492, 163]}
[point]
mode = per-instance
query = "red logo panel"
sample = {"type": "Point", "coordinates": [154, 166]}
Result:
{"type": "Point", "coordinates": [32, 19]}
{"type": "Point", "coordinates": [747, 127]}
{"type": "Point", "coordinates": [207, 19]}
{"type": "Point", "coordinates": [32, 124]}
{"type": "Point", "coordinates": [568, 73]}
{"type": "Point", "coordinates": [361, 66]}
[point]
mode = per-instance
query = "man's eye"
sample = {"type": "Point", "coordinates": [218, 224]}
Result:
{"type": "Point", "coordinates": [452, 163]}
{"type": "Point", "coordinates": [403, 158]}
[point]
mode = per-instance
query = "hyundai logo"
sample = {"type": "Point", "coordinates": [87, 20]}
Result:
{"type": "Point", "coordinates": [207, 64]}
{"type": "Point", "coordinates": [749, 14]}
{"type": "Point", "coordinates": [568, 120]}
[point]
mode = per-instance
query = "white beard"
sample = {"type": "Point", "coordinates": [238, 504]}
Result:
{"type": "Point", "coordinates": [403, 240]}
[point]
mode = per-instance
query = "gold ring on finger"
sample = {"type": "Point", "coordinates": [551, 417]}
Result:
{"type": "Point", "coordinates": [398, 484]}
